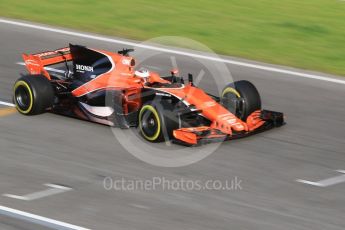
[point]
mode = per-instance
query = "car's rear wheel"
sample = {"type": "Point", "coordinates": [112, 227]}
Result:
{"type": "Point", "coordinates": [157, 121]}
{"type": "Point", "coordinates": [33, 94]}
{"type": "Point", "coordinates": [241, 98]}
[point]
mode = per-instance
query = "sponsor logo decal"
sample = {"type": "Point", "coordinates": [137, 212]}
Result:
{"type": "Point", "coordinates": [126, 61]}
{"type": "Point", "coordinates": [83, 68]}
{"type": "Point", "coordinates": [63, 50]}
{"type": "Point", "coordinates": [163, 94]}
{"type": "Point", "coordinates": [231, 121]}
{"type": "Point", "coordinates": [209, 104]}
{"type": "Point", "coordinates": [31, 62]}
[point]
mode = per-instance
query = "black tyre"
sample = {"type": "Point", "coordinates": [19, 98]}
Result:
{"type": "Point", "coordinates": [241, 98]}
{"type": "Point", "coordinates": [33, 94]}
{"type": "Point", "coordinates": [157, 121]}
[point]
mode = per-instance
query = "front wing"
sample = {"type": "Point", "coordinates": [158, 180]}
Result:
{"type": "Point", "coordinates": [195, 136]}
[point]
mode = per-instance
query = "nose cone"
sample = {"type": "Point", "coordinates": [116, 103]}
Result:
{"type": "Point", "coordinates": [238, 127]}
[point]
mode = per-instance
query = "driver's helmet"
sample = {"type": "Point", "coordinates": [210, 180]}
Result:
{"type": "Point", "coordinates": [143, 73]}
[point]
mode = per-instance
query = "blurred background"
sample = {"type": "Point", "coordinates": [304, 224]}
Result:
{"type": "Point", "coordinates": [308, 34]}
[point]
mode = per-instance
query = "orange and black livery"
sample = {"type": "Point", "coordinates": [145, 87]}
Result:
{"type": "Point", "coordinates": [105, 87]}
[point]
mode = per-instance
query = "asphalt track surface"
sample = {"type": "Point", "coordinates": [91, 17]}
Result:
{"type": "Point", "coordinates": [53, 149]}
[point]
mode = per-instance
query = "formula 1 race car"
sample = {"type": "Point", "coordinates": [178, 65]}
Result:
{"type": "Point", "coordinates": [104, 87]}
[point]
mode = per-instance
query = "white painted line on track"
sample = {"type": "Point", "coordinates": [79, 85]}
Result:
{"type": "Point", "coordinates": [39, 220]}
{"type": "Point", "coordinates": [310, 183]}
{"type": "Point", "coordinates": [6, 103]}
{"type": "Point", "coordinates": [22, 63]}
{"type": "Point", "coordinates": [167, 50]}
{"type": "Point", "coordinates": [326, 182]}
{"type": "Point", "coordinates": [53, 190]}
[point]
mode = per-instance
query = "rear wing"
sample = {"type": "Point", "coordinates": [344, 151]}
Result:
{"type": "Point", "coordinates": [35, 63]}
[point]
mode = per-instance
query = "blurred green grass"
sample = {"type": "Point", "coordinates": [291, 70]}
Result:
{"type": "Point", "coordinates": [308, 34]}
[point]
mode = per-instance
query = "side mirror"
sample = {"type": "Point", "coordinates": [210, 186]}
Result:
{"type": "Point", "coordinates": [190, 79]}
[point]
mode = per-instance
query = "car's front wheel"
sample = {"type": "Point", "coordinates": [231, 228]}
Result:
{"type": "Point", "coordinates": [241, 98]}
{"type": "Point", "coordinates": [157, 121]}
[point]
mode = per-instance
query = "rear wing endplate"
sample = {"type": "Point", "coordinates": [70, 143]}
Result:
{"type": "Point", "coordinates": [35, 63]}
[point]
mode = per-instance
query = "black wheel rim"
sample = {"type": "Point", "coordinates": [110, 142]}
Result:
{"type": "Point", "coordinates": [22, 97]}
{"type": "Point", "coordinates": [149, 123]}
{"type": "Point", "coordinates": [229, 101]}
